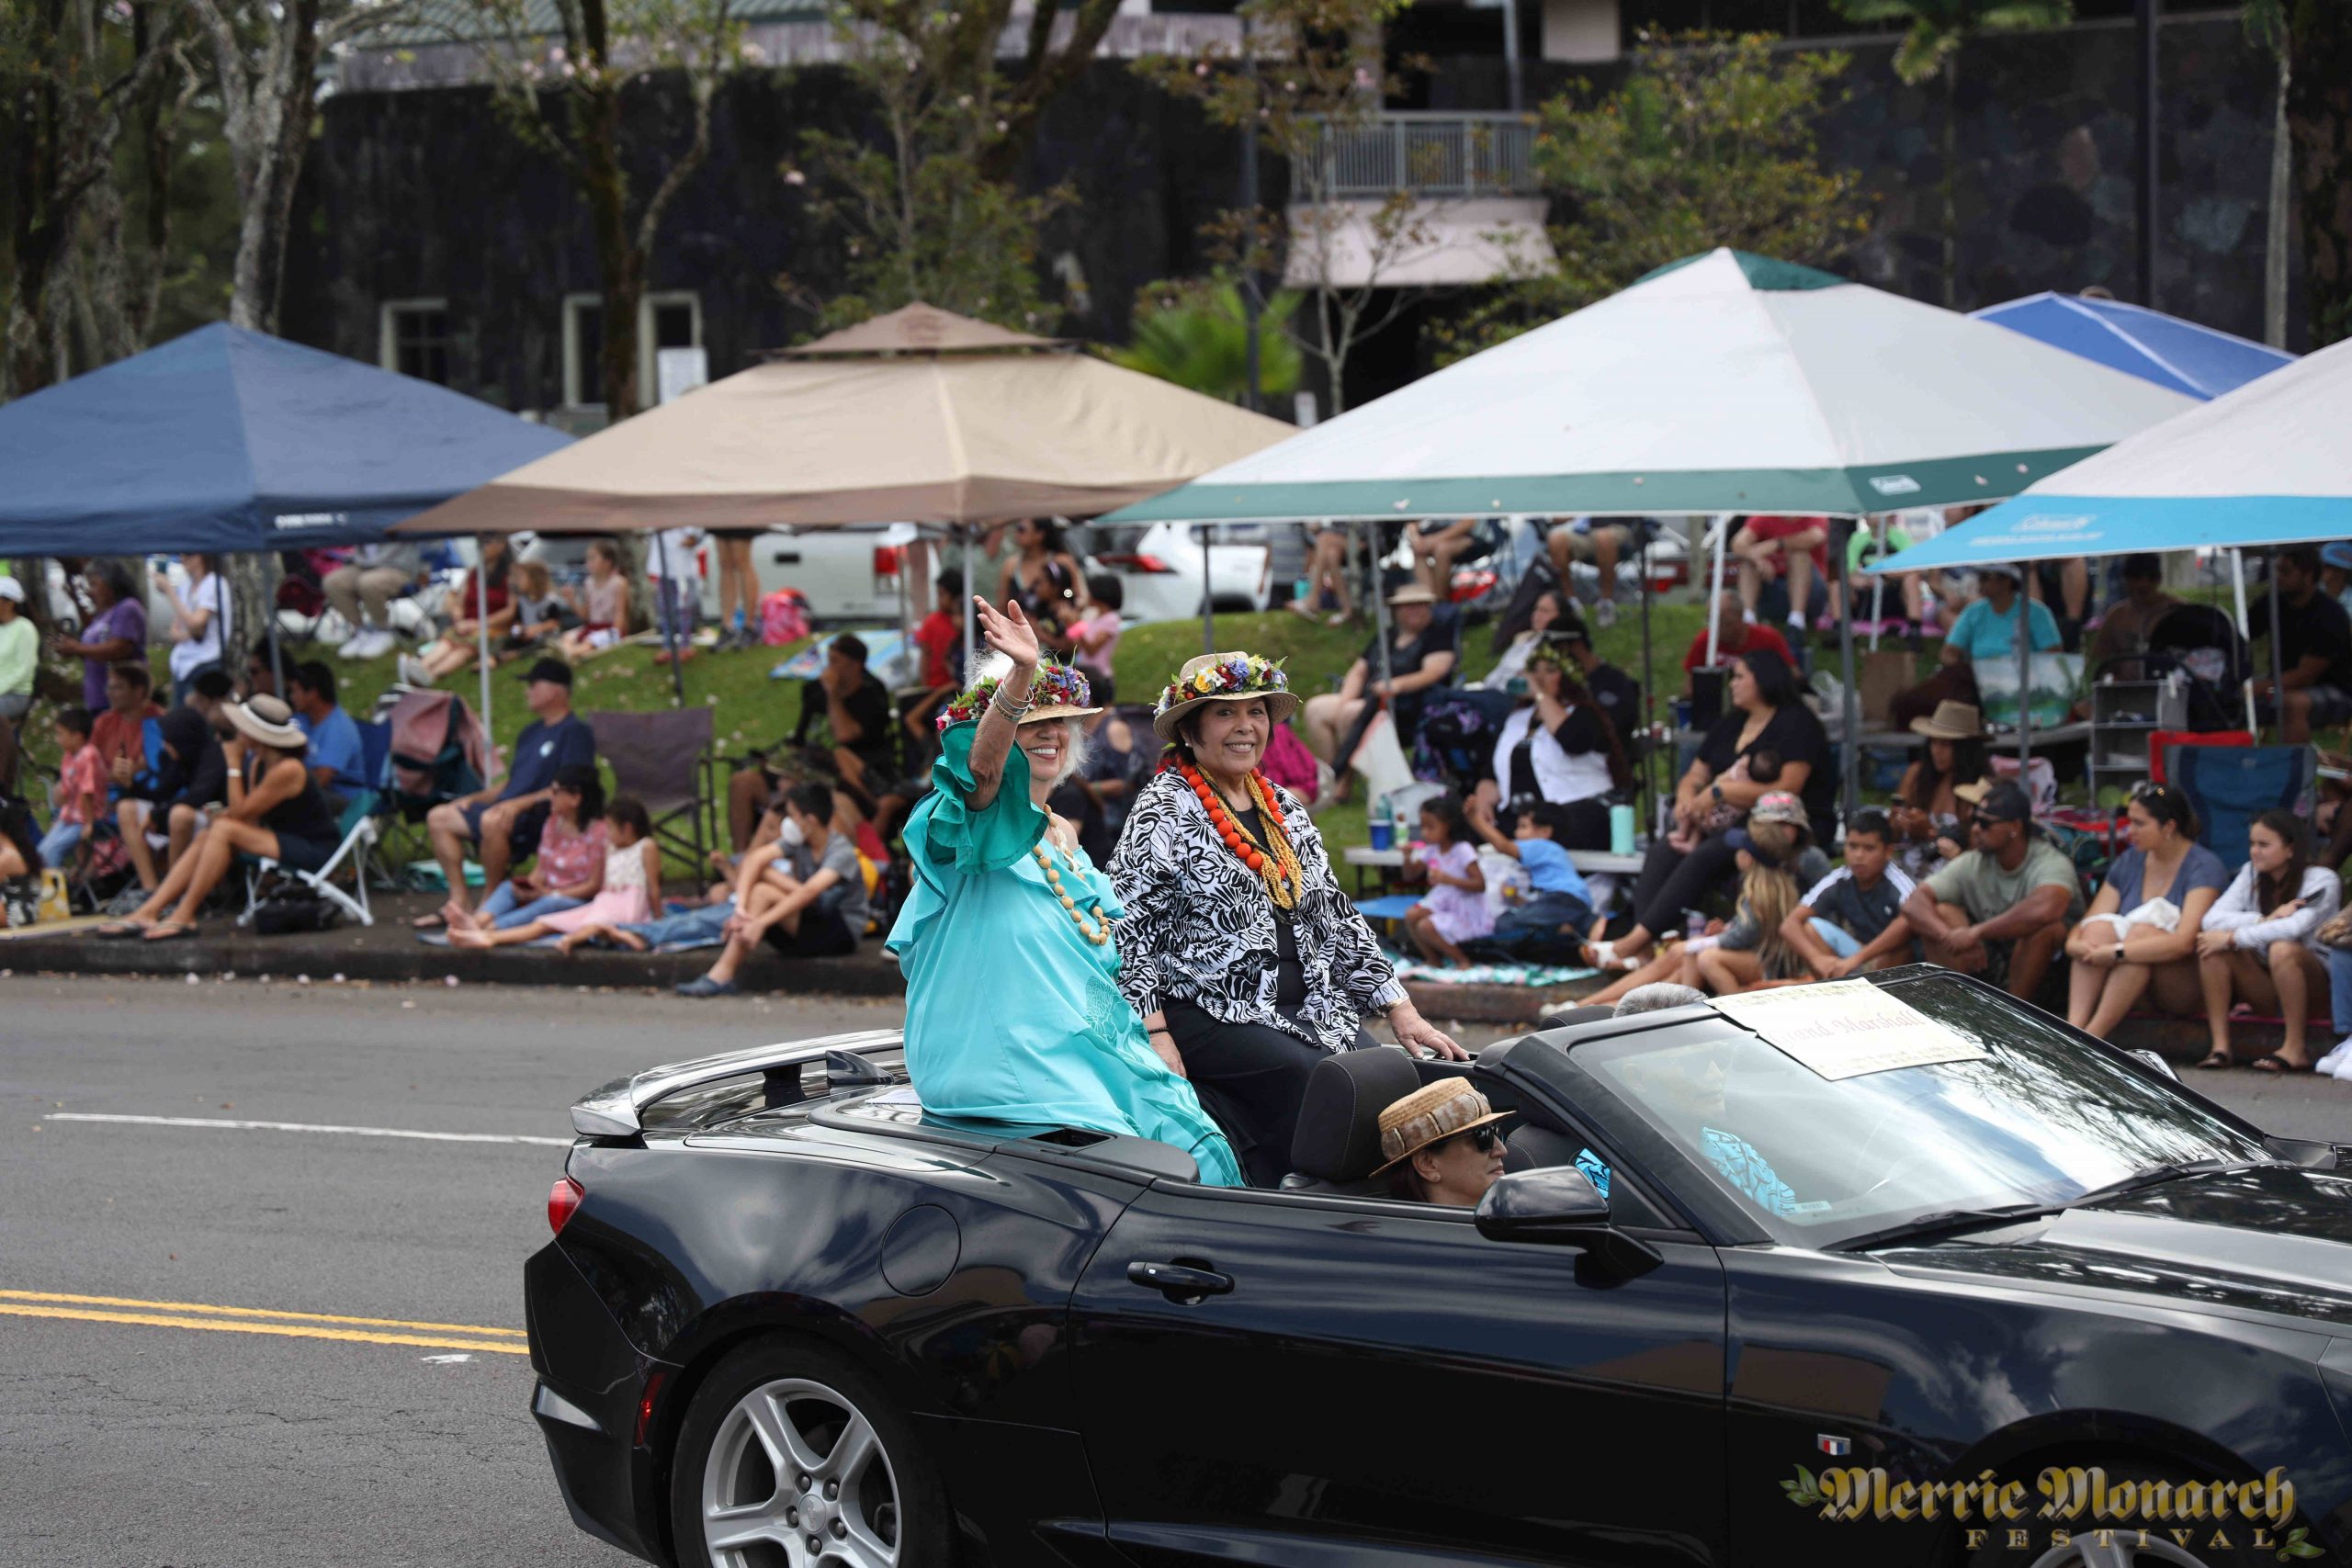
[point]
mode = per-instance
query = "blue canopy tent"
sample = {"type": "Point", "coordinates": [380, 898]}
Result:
{"type": "Point", "coordinates": [2266, 464]}
{"type": "Point", "coordinates": [227, 440]}
{"type": "Point", "coordinates": [2188, 358]}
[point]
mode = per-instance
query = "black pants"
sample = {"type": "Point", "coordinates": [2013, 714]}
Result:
{"type": "Point", "coordinates": [1251, 1078]}
{"type": "Point", "coordinates": [1673, 884]}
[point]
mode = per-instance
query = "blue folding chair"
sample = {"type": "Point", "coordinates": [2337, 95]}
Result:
{"type": "Point", "coordinates": [2229, 787]}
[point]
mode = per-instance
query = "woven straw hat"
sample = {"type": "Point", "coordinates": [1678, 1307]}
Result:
{"type": "Point", "coordinates": [268, 720]}
{"type": "Point", "coordinates": [1231, 677]}
{"type": "Point", "coordinates": [1951, 721]}
{"type": "Point", "coordinates": [1431, 1112]}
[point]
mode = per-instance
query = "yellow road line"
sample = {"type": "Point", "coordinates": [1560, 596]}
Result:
{"type": "Point", "coordinates": [297, 1331]}
{"type": "Point", "coordinates": [50, 1296]}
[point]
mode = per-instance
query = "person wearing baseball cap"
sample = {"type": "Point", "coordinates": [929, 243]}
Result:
{"type": "Point", "coordinates": [2003, 908]}
{"type": "Point", "coordinates": [19, 651]}
{"type": "Point", "coordinates": [1985, 631]}
{"type": "Point", "coordinates": [503, 821]}
{"type": "Point", "coordinates": [1422, 653]}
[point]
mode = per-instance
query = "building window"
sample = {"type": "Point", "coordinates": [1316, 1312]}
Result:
{"type": "Point", "coordinates": [663, 321]}
{"type": "Point", "coordinates": [413, 339]}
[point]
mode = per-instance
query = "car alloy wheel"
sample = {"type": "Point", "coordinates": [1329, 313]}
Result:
{"type": "Point", "coordinates": [799, 1476]}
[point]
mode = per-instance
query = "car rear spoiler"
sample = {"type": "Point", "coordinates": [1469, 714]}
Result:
{"type": "Point", "coordinates": [616, 1110]}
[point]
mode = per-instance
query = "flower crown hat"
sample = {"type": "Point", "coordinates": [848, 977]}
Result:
{"type": "Point", "coordinates": [1059, 691]}
{"type": "Point", "coordinates": [1223, 678]}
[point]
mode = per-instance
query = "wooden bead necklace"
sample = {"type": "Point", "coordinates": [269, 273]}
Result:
{"type": "Point", "coordinates": [1098, 930]}
{"type": "Point", "coordinates": [1273, 861]}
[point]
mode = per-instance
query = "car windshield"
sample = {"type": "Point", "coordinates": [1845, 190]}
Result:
{"type": "Point", "coordinates": [2041, 1120]}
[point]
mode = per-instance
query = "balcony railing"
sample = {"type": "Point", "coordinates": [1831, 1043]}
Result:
{"type": "Point", "coordinates": [1430, 153]}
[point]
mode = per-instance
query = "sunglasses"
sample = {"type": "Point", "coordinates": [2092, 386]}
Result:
{"type": "Point", "coordinates": [1485, 1139]}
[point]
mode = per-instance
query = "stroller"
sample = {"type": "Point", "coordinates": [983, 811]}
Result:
{"type": "Point", "coordinates": [2203, 642]}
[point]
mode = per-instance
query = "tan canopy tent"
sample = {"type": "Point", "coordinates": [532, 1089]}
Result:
{"type": "Point", "coordinates": [919, 416]}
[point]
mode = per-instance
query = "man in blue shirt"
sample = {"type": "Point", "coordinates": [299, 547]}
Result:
{"type": "Point", "coordinates": [334, 754]}
{"type": "Point", "coordinates": [506, 822]}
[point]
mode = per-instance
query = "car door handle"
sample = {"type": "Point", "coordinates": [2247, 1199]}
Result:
{"type": "Point", "coordinates": [1177, 1281]}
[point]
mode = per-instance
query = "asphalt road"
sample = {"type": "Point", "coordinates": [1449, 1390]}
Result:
{"type": "Point", "coordinates": [167, 1419]}
{"type": "Point", "coordinates": [145, 1445]}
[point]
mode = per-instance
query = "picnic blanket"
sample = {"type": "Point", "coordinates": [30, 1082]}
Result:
{"type": "Point", "coordinates": [1410, 969]}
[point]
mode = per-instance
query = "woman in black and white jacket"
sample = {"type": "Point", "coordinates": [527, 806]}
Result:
{"type": "Point", "coordinates": [1237, 945]}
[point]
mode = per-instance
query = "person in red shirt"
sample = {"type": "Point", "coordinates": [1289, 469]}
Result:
{"type": "Point", "coordinates": [1734, 637]}
{"type": "Point", "coordinates": [940, 636]}
{"type": "Point", "coordinates": [1795, 547]}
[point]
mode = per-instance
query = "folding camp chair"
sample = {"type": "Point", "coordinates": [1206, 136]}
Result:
{"type": "Point", "coordinates": [359, 834]}
{"type": "Point", "coordinates": [2229, 787]}
{"type": "Point", "coordinates": [662, 758]}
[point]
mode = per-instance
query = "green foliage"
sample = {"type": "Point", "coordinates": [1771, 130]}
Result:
{"type": "Point", "coordinates": [923, 215]}
{"type": "Point", "coordinates": [1709, 142]}
{"type": "Point", "coordinates": [1196, 335]}
{"type": "Point", "coordinates": [2298, 1544]}
{"type": "Point", "coordinates": [1803, 1491]}
{"type": "Point", "coordinates": [1936, 28]}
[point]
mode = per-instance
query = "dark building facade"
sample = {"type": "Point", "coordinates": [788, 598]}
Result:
{"type": "Point", "coordinates": [430, 238]}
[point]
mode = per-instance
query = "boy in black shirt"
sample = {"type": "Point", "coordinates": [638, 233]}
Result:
{"type": "Point", "coordinates": [2314, 648]}
{"type": "Point", "coordinates": [1852, 918]}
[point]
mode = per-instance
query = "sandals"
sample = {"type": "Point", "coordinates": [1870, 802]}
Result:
{"type": "Point", "coordinates": [2216, 1059]}
{"type": "Point", "coordinates": [119, 930]}
{"type": "Point", "coordinates": [2277, 1069]}
{"type": "Point", "coordinates": [167, 931]}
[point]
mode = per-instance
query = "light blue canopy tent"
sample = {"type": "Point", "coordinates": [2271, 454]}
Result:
{"type": "Point", "coordinates": [2266, 465]}
{"type": "Point", "coordinates": [2196, 361]}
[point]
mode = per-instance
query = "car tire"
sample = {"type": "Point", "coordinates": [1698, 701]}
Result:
{"type": "Point", "coordinates": [880, 1504]}
{"type": "Point", "coordinates": [2125, 1549]}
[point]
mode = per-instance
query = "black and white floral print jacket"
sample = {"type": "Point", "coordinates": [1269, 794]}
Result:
{"type": "Point", "coordinates": [1199, 925]}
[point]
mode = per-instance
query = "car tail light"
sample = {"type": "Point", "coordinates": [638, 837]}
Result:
{"type": "Point", "coordinates": [645, 1407]}
{"type": "Point", "coordinates": [563, 1201]}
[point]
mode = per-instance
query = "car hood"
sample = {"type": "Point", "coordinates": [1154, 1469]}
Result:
{"type": "Point", "coordinates": [2275, 1239]}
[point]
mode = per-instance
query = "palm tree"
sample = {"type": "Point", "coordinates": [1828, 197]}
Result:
{"type": "Point", "coordinates": [1200, 341]}
{"type": "Point", "coordinates": [1936, 30]}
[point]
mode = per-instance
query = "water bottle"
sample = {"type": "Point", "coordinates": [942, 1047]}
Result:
{"type": "Point", "coordinates": [1621, 829]}
{"type": "Point", "coordinates": [1695, 927]}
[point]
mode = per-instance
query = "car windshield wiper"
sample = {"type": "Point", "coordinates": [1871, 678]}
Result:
{"type": "Point", "coordinates": [1944, 1222]}
{"type": "Point", "coordinates": [2155, 1175]}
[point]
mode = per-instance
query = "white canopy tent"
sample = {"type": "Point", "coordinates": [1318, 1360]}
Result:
{"type": "Point", "coordinates": [1723, 383]}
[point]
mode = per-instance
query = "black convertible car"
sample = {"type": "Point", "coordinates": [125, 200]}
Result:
{"type": "Point", "coordinates": [2034, 1304]}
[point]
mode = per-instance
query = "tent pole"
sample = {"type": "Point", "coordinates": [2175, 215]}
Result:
{"type": "Point", "coordinates": [1209, 598]}
{"type": "Point", "coordinates": [1721, 534]}
{"type": "Point", "coordinates": [971, 586]}
{"type": "Point", "coordinates": [1380, 608]}
{"type": "Point", "coordinates": [1878, 600]}
{"type": "Point", "coordinates": [2025, 687]}
{"type": "Point", "coordinates": [2277, 666]}
{"type": "Point", "coordinates": [1648, 779]}
{"type": "Point", "coordinates": [271, 570]}
{"type": "Point", "coordinates": [482, 643]}
{"type": "Point", "coordinates": [2237, 575]}
{"type": "Point", "coordinates": [1841, 533]}
{"type": "Point", "coordinates": [668, 621]}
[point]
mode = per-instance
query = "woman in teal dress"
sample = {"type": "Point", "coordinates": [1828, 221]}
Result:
{"type": "Point", "coordinates": [1015, 1016]}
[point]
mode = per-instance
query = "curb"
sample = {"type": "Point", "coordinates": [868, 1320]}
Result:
{"type": "Point", "coordinates": [766, 974]}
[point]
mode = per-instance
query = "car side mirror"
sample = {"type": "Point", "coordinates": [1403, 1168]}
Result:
{"type": "Point", "coordinates": [1559, 1206]}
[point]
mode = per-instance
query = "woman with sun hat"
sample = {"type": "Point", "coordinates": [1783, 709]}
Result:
{"type": "Point", "coordinates": [1015, 1016]}
{"type": "Point", "coordinates": [1237, 945]}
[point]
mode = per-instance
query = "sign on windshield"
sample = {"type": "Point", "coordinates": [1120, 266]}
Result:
{"type": "Point", "coordinates": [1843, 1028]}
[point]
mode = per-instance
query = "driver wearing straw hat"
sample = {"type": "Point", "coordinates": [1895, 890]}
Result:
{"type": "Point", "coordinates": [1245, 960]}
{"type": "Point", "coordinates": [1440, 1145]}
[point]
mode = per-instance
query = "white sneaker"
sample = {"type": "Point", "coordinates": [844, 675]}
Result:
{"type": "Point", "coordinates": [376, 643]}
{"type": "Point", "coordinates": [412, 671]}
{"type": "Point", "coordinates": [1605, 613]}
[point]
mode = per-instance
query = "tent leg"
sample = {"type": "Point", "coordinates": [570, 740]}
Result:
{"type": "Point", "coordinates": [269, 579]}
{"type": "Point", "coordinates": [2025, 689]}
{"type": "Point", "coordinates": [1649, 685]}
{"type": "Point", "coordinates": [1722, 534]}
{"type": "Point", "coordinates": [668, 623]}
{"type": "Point", "coordinates": [2277, 669]}
{"type": "Point", "coordinates": [1849, 700]}
{"type": "Point", "coordinates": [2237, 575]}
{"type": "Point", "coordinates": [482, 643]}
{"type": "Point", "coordinates": [1209, 598]}
{"type": "Point", "coordinates": [971, 586]}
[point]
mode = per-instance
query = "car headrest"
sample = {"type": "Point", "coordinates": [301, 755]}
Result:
{"type": "Point", "coordinates": [1568, 1018]}
{"type": "Point", "coordinates": [1339, 1120]}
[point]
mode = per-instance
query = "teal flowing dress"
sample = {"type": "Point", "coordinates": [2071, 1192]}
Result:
{"type": "Point", "coordinates": [1015, 1018]}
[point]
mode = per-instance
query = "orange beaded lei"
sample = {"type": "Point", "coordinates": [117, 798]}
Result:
{"type": "Point", "coordinates": [1273, 861]}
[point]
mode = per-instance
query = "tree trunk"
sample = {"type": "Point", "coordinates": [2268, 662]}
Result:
{"type": "Point", "coordinates": [596, 125]}
{"type": "Point", "coordinates": [2276, 238]}
{"type": "Point", "coordinates": [269, 134]}
{"type": "Point", "coordinates": [2319, 112]}
{"type": "Point", "coordinates": [1952, 174]}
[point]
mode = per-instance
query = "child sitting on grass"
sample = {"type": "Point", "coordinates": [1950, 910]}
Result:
{"type": "Point", "coordinates": [1454, 910]}
{"type": "Point", "coordinates": [632, 880]}
{"type": "Point", "coordinates": [1550, 927]}
{"type": "Point", "coordinates": [80, 796]}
